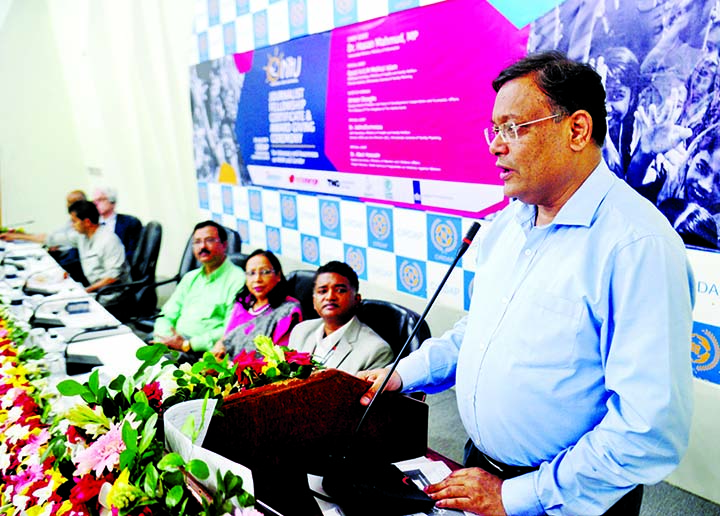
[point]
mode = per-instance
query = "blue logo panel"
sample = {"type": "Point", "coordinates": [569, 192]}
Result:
{"type": "Point", "coordinates": [217, 218]}
{"type": "Point", "coordinates": [468, 284]}
{"type": "Point", "coordinates": [260, 29]}
{"type": "Point", "coordinates": [400, 5]}
{"type": "Point", "coordinates": [345, 12]}
{"type": "Point", "coordinates": [288, 211]}
{"type": "Point", "coordinates": [310, 249]}
{"type": "Point", "coordinates": [705, 352]}
{"type": "Point", "coordinates": [297, 16]}
{"type": "Point", "coordinates": [255, 202]}
{"type": "Point", "coordinates": [229, 38]}
{"type": "Point", "coordinates": [273, 239]}
{"type": "Point", "coordinates": [227, 200]}
{"type": "Point", "coordinates": [330, 218]}
{"type": "Point", "coordinates": [380, 228]}
{"type": "Point", "coordinates": [411, 276]}
{"type": "Point", "coordinates": [203, 45]}
{"type": "Point", "coordinates": [213, 12]}
{"type": "Point", "coordinates": [242, 7]}
{"type": "Point", "coordinates": [203, 196]}
{"type": "Point", "coordinates": [244, 230]}
{"type": "Point", "coordinates": [356, 257]}
{"type": "Point", "coordinates": [444, 238]}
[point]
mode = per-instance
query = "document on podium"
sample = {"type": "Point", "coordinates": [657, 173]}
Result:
{"type": "Point", "coordinates": [421, 470]}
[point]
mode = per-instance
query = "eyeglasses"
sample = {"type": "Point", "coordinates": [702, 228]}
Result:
{"type": "Point", "coordinates": [206, 241]}
{"type": "Point", "coordinates": [261, 272]}
{"type": "Point", "coordinates": [509, 130]}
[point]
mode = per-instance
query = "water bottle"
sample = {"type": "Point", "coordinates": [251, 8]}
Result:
{"type": "Point", "coordinates": [54, 345]}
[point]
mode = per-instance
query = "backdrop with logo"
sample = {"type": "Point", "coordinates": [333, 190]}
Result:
{"type": "Point", "coordinates": [353, 130]}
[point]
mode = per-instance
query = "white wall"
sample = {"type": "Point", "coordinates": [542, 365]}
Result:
{"type": "Point", "coordinates": [96, 92]}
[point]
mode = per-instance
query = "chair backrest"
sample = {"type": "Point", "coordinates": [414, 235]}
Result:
{"type": "Point", "coordinates": [143, 267]}
{"type": "Point", "coordinates": [394, 323]}
{"type": "Point", "coordinates": [301, 284]}
{"type": "Point", "coordinates": [145, 257]}
{"type": "Point", "coordinates": [188, 261]}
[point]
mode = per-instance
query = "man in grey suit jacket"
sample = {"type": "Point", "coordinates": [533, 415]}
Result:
{"type": "Point", "coordinates": [338, 339]}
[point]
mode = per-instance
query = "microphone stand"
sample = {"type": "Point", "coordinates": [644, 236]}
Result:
{"type": "Point", "coordinates": [359, 485]}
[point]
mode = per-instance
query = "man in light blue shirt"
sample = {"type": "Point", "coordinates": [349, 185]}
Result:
{"type": "Point", "coordinates": [572, 368]}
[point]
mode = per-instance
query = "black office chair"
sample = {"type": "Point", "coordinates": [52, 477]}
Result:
{"type": "Point", "coordinates": [138, 297]}
{"type": "Point", "coordinates": [301, 284]}
{"type": "Point", "coordinates": [394, 323]}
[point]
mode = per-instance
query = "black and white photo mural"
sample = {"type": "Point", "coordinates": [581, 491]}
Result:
{"type": "Point", "coordinates": [659, 60]}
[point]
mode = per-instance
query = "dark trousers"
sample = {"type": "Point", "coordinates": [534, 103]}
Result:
{"type": "Point", "coordinates": [628, 505]}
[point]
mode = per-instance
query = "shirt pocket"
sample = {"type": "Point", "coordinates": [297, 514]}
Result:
{"type": "Point", "coordinates": [548, 327]}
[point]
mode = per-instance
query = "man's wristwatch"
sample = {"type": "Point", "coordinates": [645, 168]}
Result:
{"type": "Point", "coordinates": [185, 346]}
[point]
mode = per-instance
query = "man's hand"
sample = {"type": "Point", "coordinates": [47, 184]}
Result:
{"type": "Point", "coordinates": [218, 350]}
{"type": "Point", "coordinates": [377, 377]}
{"type": "Point", "coordinates": [471, 489]}
{"type": "Point", "coordinates": [174, 341]}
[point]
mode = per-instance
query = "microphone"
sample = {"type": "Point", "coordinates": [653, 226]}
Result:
{"type": "Point", "coordinates": [354, 483]}
{"type": "Point", "coordinates": [92, 329]}
{"type": "Point", "coordinates": [16, 224]}
{"type": "Point", "coordinates": [33, 316]}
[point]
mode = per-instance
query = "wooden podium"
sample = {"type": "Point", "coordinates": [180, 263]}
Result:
{"type": "Point", "coordinates": [284, 431]}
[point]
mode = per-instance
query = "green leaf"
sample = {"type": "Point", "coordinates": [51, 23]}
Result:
{"type": "Point", "coordinates": [117, 383]}
{"type": "Point", "coordinates": [151, 354]}
{"type": "Point", "coordinates": [148, 433]}
{"type": "Point", "coordinates": [151, 480]}
{"type": "Point", "coordinates": [130, 436]}
{"type": "Point", "coordinates": [188, 427]}
{"type": "Point", "coordinates": [127, 457]}
{"type": "Point", "coordinates": [198, 469]}
{"type": "Point", "coordinates": [71, 388]}
{"type": "Point", "coordinates": [94, 381]}
{"type": "Point", "coordinates": [174, 496]}
{"type": "Point", "coordinates": [171, 462]}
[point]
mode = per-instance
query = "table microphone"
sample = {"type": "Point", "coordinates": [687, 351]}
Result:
{"type": "Point", "coordinates": [358, 484]}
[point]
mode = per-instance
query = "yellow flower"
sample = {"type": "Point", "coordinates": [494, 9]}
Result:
{"type": "Point", "coordinates": [122, 493]}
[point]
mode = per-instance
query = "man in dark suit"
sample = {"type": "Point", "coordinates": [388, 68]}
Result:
{"type": "Point", "coordinates": [126, 227]}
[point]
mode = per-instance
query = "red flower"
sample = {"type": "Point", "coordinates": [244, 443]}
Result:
{"type": "Point", "coordinates": [86, 488]}
{"type": "Point", "coordinates": [73, 435]}
{"type": "Point", "coordinates": [154, 394]}
{"type": "Point", "coordinates": [298, 357]}
{"type": "Point", "coordinates": [251, 360]}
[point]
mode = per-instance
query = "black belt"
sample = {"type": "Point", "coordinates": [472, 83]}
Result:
{"type": "Point", "coordinates": [476, 458]}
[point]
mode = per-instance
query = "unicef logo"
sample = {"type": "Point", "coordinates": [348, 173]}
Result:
{"type": "Point", "coordinates": [330, 215]}
{"type": "Point", "coordinates": [443, 235]}
{"type": "Point", "coordinates": [289, 208]}
{"type": "Point", "coordinates": [411, 276]}
{"type": "Point", "coordinates": [379, 224]}
{"type": "Point", "coordinates": [310, 250]}
{"type": "Point", "coordinates": [705, 350]}
{"type": "Point", "coordinates": [273, 237]}
{"type": "Point", "coordinates": [355, 259]}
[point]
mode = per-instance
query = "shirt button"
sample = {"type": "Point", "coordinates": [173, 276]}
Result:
{"type": "Point", "coordinates": [528, 252]}
{"type": "Point", "coordinates": [504, 300]}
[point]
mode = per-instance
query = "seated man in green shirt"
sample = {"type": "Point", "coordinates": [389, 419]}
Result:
{"type": "Point", "coordinates": [196, 314]}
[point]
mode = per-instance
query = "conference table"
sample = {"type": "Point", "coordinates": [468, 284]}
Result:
{"type": "Point", "coordinates": [56, 307]}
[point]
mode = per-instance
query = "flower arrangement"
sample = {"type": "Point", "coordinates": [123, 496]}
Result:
{"type": "Point", "coordinates": [272, 364]}
{"type": "Point", "coordinates": [105, 455]}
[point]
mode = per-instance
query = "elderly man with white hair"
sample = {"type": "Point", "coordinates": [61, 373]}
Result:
{"type": "Point", "coordinates": [126, 227]}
